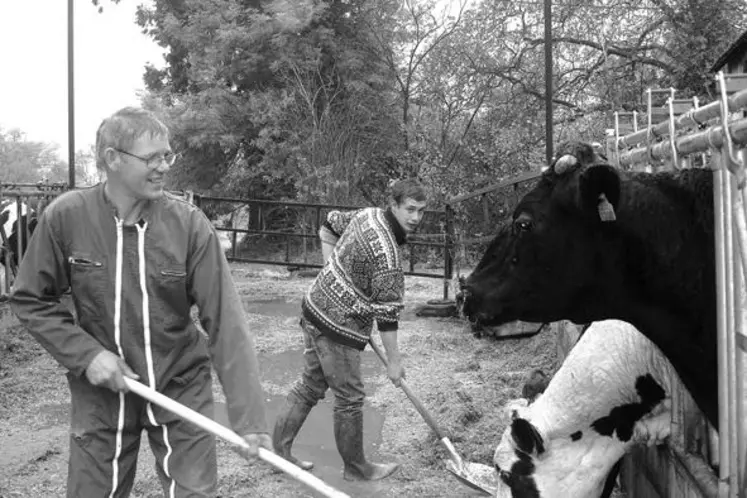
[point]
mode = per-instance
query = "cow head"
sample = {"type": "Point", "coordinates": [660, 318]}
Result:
{"type": "Point", "coordinates": [544, 263]}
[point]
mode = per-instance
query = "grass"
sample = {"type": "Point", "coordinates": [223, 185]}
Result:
{"type": "Point", "coordinates": [462, 380]}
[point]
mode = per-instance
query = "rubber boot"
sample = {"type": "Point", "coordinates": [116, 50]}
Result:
{"type": "Point", "coordinates": [286, 429]}
{"type": "Point", "coordinates": [349, 439]}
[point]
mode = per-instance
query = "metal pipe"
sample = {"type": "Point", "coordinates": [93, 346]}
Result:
{"type": "Point", "coordinates": [524, 177]}
{"type": "Point", "coordinates": [696, 142]}
{"type": "Point", "coordinates": [19, 229]}
{"type": "Point", "coordinates": [693, 117]}
{"type": "Point", "coordinates": [548, 82]}
{"type": "Point", "coordinates": [723, 412]}
{"type": "Point", "coordinates": [740, 265]}
{"type": "Point", "coordinates": [71, 93]}
{"type": "Point", "coordinates": [730, 331]}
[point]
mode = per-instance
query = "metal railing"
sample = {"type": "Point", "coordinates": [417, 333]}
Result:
{"type": "Point", "coordinates": [38, 195]}
{"type": "Point", "coordinates": [305, 228]}
{"type": "Point", "coordinates": [708, 136]}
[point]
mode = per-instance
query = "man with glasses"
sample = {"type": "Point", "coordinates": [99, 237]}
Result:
{"type": "Point", "coordinates": [136, 259]}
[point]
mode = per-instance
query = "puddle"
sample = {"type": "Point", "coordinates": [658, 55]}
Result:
{"type": "Point", "coordinates": [316, 442]}
{"type": "Point", "coordinates": [274, 307]}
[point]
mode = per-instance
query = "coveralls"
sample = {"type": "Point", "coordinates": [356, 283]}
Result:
{"type": "Point", "coordinates": [132, 288]}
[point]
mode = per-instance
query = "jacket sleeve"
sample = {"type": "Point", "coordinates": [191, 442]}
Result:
{"type": "Point", "coordinates": [222, 316]}
{"type": "Point", "coordinates": [42, 278]}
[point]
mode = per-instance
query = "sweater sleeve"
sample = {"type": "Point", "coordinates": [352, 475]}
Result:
{"type": "Point", "coordinates": [338, 221]}
{"type": "Point", "coordinates": [388, 286]}
{"type": "Point", "coordinates": [231, 342]}
{"type": "Point", "coordinates": [36, 300]}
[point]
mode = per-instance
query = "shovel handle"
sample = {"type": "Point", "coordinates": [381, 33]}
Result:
{"type": "Point", "coordinates": [228, 435]}
{"type": "Point", "coordinates": [414, 399]}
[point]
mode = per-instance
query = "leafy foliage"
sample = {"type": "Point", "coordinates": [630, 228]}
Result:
{"type": "Point", "coordinates": [27, 161]}
{"type": "Point", "coordinates": [328, 100]}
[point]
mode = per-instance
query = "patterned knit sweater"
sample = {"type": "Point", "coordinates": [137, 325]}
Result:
{"type": "Point", "coordinates": [363, 279]}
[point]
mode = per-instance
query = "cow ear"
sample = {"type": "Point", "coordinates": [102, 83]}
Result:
{"type": "Point", "coordinates": [527, 437]}
{"type": "Point", "coordinates": [599, 191]}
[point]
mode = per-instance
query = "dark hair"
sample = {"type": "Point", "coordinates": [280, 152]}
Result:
{"type": "Point", "coordinates": [409, 188]}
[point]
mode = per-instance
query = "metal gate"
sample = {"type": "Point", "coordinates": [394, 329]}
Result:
{"type": "Point", "coordinates": [704, 137]}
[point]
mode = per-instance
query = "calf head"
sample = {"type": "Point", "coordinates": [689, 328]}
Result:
{"type": "Point", "coordinates": [545, 263]}
{"type": "Point", "coordinates": [534, 464]}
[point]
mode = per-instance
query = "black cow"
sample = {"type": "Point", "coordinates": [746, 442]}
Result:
{"type": "Point", "coordinates": [591, 242]}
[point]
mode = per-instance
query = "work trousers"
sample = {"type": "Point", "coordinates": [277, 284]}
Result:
{"type": "Point", "coordinates": [329, 365]}
{"type": "Point", "coordinates": [105, 439]}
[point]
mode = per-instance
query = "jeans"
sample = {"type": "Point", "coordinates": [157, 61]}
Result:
{"type": "Point", "coordinates": [328, 364]}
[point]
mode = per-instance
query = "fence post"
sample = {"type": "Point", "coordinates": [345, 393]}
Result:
{"type": "Point", "coordinates": [448, 245]}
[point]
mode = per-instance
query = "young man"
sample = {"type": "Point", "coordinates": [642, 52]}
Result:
{"type": "Point", "coordinates": [136, 259]}
{"type": "Point", "coordinates": [362, 282]}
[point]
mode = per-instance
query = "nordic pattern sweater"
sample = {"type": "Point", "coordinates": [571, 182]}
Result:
{"type": "Point", "coordinates": [363, 279]}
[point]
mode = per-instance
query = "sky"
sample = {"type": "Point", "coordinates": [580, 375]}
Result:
{"type": "Point", "coordinates": [110, 56]}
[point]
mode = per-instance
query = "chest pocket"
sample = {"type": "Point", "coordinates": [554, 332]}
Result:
{"type": "Point", "coordinates": [90, 284]}
{"type": "Point", "coordinates": [169, 280]}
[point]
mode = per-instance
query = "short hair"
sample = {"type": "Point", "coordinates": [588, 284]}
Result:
{"type": "Point", "coordinates": [409, 188]}
{"type": "Point", "coordinates": [123, 128]}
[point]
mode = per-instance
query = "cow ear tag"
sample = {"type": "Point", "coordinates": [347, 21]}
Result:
{"type": "Point", "coordinates": [606, 211]}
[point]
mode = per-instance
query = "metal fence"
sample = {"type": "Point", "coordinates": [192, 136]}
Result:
{"type": "Point", "coordinates": [710, 137]}
{"type": "Point", "coordinates": [270, 224]}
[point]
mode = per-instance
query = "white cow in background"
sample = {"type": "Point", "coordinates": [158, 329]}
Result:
{"type": "Point", "coordinates": [238, 218]}
{"type": "Point", "coordinates": [611, 392]}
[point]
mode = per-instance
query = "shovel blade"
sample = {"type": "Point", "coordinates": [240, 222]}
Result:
{"type": "Point", "coordinates": [477, 476]}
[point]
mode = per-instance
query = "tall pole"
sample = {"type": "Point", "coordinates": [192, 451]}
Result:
{"type": "Point", "coordinates": [70, 96]}
{"type": "Point", "coordinates": [548, 81]}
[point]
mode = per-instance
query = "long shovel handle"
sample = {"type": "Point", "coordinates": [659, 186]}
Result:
{"type": "Point", "coordinates": [228, 435]}
{"type": "Point", "coordinates": [420, 408]}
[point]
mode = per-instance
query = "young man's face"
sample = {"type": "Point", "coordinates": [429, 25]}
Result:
{"type": "Point", "coordinates": [143, 181]}
{"type": "Point", "coordinates": [409, 213]}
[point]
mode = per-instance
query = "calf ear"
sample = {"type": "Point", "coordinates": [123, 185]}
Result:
{"type": "Point", "coordinates": [513, 408]}
{"type": "Point", "coordinates": [527, 437]}
{"type": "Point", "coordinates": [599, 191]}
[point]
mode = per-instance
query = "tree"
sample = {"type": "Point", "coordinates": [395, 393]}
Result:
{"type": "Point", "coordinates": [28, 161]}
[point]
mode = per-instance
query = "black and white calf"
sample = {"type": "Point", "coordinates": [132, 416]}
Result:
{"type": "Point", "coordinates": [13, 228]}
{"type": "Point", "coordinates": [612, 391]}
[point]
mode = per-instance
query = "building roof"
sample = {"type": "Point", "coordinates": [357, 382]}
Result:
{"type": "Point", "coordinates": [737, 46]}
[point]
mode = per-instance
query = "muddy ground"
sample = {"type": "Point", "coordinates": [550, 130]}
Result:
{"type": "Point", "coordinates": [463, 380]}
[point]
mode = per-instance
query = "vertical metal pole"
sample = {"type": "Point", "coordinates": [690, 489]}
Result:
{"type": "Point", "coordinates": [20, 230]}
{"type": "Point", "coordinates": [70, 94]}
{"type": "Point", "coordinates": [548, 81]}
{"type": "Point", "coordinates": [723, 411]}
{"type": "Point", "coordinates": [730, 331]}
{"type": "Point", "coordinates": [448, 244]}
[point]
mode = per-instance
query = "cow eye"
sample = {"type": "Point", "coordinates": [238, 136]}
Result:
{"type": "Point", "coordinates": [524, 225]}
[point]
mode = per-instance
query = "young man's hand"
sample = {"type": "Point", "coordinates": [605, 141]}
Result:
{"type": "Point", "coordinates": [396, 372]}
{"type": "Point", "coordinates": [256, 441]}
{"type": "Point", "coordinates": [108, 370]}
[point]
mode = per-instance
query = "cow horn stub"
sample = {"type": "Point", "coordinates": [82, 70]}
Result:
{"type": "Point", "coordinates": [565, 164]}
{"type": "Point", "coordinates": [606, 210]}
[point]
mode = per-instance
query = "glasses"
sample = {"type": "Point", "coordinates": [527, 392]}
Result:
{"type": "Point", "coordinates": [154, 161]}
